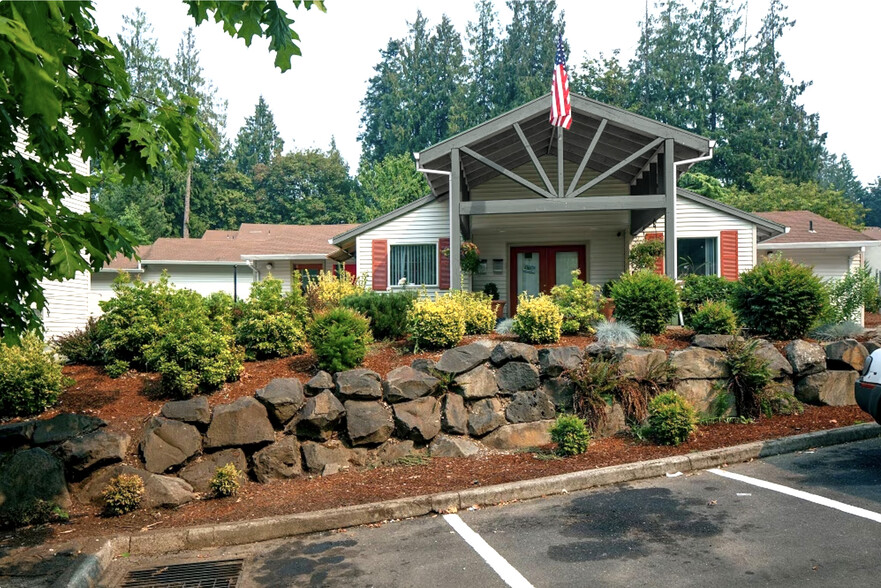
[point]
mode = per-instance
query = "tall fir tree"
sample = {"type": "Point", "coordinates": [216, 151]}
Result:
{"type": "Point", "coordinates": [147, 70]}
{"type": "Point", "coordinates": [482, 66]}
{"type": "Point", "coordinates": [258, 140]}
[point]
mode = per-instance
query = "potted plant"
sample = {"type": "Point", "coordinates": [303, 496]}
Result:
{"type": "Point", "coordinates": [491, 290]}
{"type": "Point", "coordinates": [469, 257]}
{"type": "Point", "coordinates": [607, 303]}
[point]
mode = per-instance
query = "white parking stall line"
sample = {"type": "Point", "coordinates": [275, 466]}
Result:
{"type": "Point", "coordinates": [499, 564]}
{"type": "Point", "coordinates": [828, 502]}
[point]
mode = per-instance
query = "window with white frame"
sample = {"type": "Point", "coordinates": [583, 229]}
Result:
{"type": "Point", "coordinates": [697, 256]}
{"type": "Point", "coordinates": [417, 264]}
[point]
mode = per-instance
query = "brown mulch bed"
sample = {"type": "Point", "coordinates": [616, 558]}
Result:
{"type": "Point", "coordinates": [872, 320]}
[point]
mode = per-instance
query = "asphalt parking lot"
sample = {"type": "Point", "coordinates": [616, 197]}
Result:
{"type": "Point", "coordinates": [805, 519]}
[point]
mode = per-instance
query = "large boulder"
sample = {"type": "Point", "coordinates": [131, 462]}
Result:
{"type": "Point", "coordinates": [63, 427]}
{"type": "Point", "coordinates": [556, 360]}
{"type": "Point", "coordinates": [519, 436]}
{"type": "Point", "coordinates": [463, 359]}
{"type": "Point", "coordinates": [358, 384]}
{"type": "Point", "coordinates": [639, 363]}
{"type": "Point", "coordinates": [167, 443]}
{"type": "Point", "coordinates": [318, 456]}
{"type": "Point", "coordinates": [699, 363]}
{"type": "Point", "coordinates": [779, 365]}
{"type": "Point", "coordinates": [446, 446]}
{"type": "Point", "coordinates": [319, 417]}
{"type": "Point", "coordinates": [425, 365]}
{"type": "Point", "coordinates": [845, 355]}
{"type": "Point", "coordinates": [16, 434]}
{"type": "Point", "coordinates": [615, 421]}
{"type": "Point", "coordinates": [485, 416]}
{"type": "Point", "coordinates": [238, 424]}
{"type": "Point", "coordinates": [368, 422]}
{"type": "Point", "coordinates": [29, 475]}
{"type": "Point", "coordinates": [707, 397]}
{"type": "Point", "coordinates": [278, 461]}
{"type": "Point", "coordinates": [516, 376]}
{"type": "Point", "coordinates": [194, 410]}
{"type": "Point", "coordinates": [319, 383]}
{"type": "Point", "coordinates": [513, 351]}
{"type": "Point", "coordinates": [159, 491]}
{"type": "Point", "coordinates": [283, 399]}
{"type": "Point", "coordinates": [454, 417]}
{"type": "Point", "coordinates": [561, 391]}
{"type": "Point", "coordinates": [478, 383]}
{"type": "Point", "coordinates": [405, 383]}
{"type": "Point", "coordinates": [198, 474]}
{"type": "Point", "coordinates": [88, 452]}
{"type": "Point", "coordinates": [527, 407]}
{"type": "Point", "coordinates": [393, 450]}
{"type": "Point", "coordinates": [805, 358]}
{"type": "Point", "coordinates": [418, 419]}
{"type": "Point", "coordinates": [717, 342]}
{"type": "Point", "coordinates": [832, 387]}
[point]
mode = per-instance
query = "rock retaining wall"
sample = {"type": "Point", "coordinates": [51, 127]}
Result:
{"type": "Point", "coordinates": [477, 397]}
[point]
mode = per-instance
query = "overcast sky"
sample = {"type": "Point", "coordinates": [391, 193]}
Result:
{"type": "Point", "coordinates": [834, 44]}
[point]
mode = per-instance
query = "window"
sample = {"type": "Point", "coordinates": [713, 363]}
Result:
{"type": "Point", "coordinates": [697, 256]}
{"type": "Point", "coordinates": [415, 263]}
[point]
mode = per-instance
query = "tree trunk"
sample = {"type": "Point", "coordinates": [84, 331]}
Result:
{"type": "Point", "coordinates": [187, 200]}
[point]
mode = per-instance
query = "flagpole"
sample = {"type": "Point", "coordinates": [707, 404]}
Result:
{"type": "Point", "coordinates": [560, 190]}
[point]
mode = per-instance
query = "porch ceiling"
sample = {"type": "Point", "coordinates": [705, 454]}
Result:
{"type": "Point", "coordinates": [625, 133]}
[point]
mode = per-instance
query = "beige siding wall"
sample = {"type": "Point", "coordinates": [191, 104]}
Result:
{"type": "Point", "coordinates": [829, 264]}
{"type": "Point", "coordinates": [696, 220]}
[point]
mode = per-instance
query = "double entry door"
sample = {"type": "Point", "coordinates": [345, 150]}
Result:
{"type": "Point", "coordinates": [536, 269]}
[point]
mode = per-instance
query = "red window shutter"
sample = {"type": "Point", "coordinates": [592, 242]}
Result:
{"type": "Point", "coordinates": [443, 263]}
{"type": "Point", "coordinates": [659, 263]}
{"type": "Point", "coordinates": [379, 265]}
{"type": "Point", "coordinates": [728, 249]}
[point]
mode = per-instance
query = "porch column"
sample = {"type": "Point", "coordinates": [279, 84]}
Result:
{"type": "Point", "coordinates": [455, 238]}
{"type": "Point", "coordinates": [670, 213]}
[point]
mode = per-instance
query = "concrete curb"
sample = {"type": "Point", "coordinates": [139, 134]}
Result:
{"type": "Point", "coordinates": [88, 571]}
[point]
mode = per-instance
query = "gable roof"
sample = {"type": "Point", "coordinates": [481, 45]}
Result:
{"type": "Point", "coordinates": [808, 229]}
{"type": "Point", "coordinates": [350, 234]}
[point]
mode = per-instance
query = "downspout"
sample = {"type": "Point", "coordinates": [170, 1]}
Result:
{"type": "Point", "coordinates": [235, 283]}
{"type": "Point", "coordinates": [254, 269]}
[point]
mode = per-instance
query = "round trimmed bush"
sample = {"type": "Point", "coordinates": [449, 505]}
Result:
{"type": "Point", "coordinates": [713, 318]}
{"type": "Point", "coordinates": [339, 338]}
{"type": "Point", "coordinates": [123, 494]}
{"type": "Point", "coordinates": [226, 481]}
{"type": "Point", "coordinates": [779, 298]}
{"type": "Point", "coordinates": [538, 319]}
{"type": "Point", "coordinates": [671, 419]}
{"type": "Point", "coordinates": [30, 378]}
{"type": "Point", "coordinates": [697, 290]}
{"type": "Point", "coordinates": [436, 323]}
{"type": "Point", "coordinates": [646, 300]}
{"type": "Point", "coordinates": [570, 434]}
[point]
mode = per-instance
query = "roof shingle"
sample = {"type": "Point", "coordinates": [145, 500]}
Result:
{"type": "Point", "coordinates": [799, 223]}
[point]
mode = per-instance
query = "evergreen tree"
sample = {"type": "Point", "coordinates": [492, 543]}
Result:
{"type": "Point", "coordinates": [714, 29]}
{"type": "Point", "coordinates": [605, 79]}
{"type": "Point", "coordinates": [147, 70]}
{"type": "Point", "coordinates": [838, 174]}
{"type": "Point", "coordinates": [258, 140]}
{"type": "Point", "coordinates": [390, 184]}
{"type": "Point", "coordinates": [477, 104]}
{"type": "Point", "coordinates": [384, 130]}
{"type": "Point", "coordinates": [873, 203]}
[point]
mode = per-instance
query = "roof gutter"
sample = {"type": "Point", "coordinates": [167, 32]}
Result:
{"type": "Point", "coordinates": [149, 262]}
{"type": "Point", "coordinates": [706, 157]}
{"type": "Point", "coordinates": [819, 244]}
{"type": "Point", "coordinates": [278, 256]}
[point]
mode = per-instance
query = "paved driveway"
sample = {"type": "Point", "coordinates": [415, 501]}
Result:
{"type": "Point", "coordinates": [804, 519]}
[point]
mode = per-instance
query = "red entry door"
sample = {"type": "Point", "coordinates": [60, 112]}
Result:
{"type": "Point", "coordinates": [537, 269]}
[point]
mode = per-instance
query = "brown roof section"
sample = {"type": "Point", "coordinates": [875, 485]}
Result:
{"type": "Point", "coordinates": [799, 223]}
{"type": "Point", "coordinates": [229, 246]}
{"type": "Point", "coordinates": [872, 232]}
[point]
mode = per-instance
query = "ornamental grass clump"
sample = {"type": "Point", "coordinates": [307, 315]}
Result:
{"type": "Point", "coordinates": [226, 481]}
{"type": "Point", "coordinates": [714, 318]}
{"type": "Point", "coordinates": [616, 334]}
{"type": "Point", "coordinates": [570, 434]}
{"type": "Point", "coordinates": [595, 384]}
{"type": "Point", "coordinates": [340, 338]}
{"type": "Point", "coordinates": [579, 304]}
{"type": "Point", "coordinates": [436, 323]}
{"type": "Point", "coordinates": [30, 378]}
{"type": "Point", "coordinates": [646, 300]}
{"type": "Point", "coordinates": [538, 319]}
{"type": "Point", "coordinates": [671, 419]}
{"type": "Point", "coordinates": [123, 494]}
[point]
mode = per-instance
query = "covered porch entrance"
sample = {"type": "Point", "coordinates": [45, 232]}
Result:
{"type": "Point", "coordinates": [536, 269]}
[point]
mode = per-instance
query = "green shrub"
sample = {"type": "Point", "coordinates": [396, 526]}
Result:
{"type": "Point", "coordinates": [780, 298]}
{"type": "Point", "coordinates": [538, 319]}
{"type": "Point", "coordinates": [847, 296]}
{"type": "Point", "coordinates": [749, 376]}
{"type": "Point", "coordinates": [80, 346]}
{"type": "Point", "coordinates": [697, 290]}
{"type": "Point", "coordinates": [615, 333]}
{"type": "Point", "coordinates": [271, 323]}
{"type": "Point", "coordinates": [713, 318]}
{"type": "Point", "coordinates": [671, 419]}
{"type": "Point", "coordinates": [226, 481]}
{"type": "Point", "coordinates": [644, 255]}
{"type": "Point", "coordinates": [774, 399]}
{"type": "Point", "coordinates": [339, 338]}
{"type": "Point", "coordinates": [491, 290]}
{"type": "Point", "coordinates": [579, 304]}
{"type": "Point", "coordinates": [646, 300]}
{"type": "Point", "coordinates": [123, 494]}
{"type": "Point", "coordinates": [33, 512]}
{"type": "Point", "coordinates": [570, 434]}
{"type": "Point", "coordinates": [437, 323]}
{"type": "Point", "coordinates": [30, 378]}
{"type": "Point", "coordinates": [116, 368]}
{"type": "Point", "coordinates": [645, 340]}
{"type": "Point", "coordinates": [387, 312]}
{"type": "Point", "coordinates": [222, 311]}
{"type": "Point", "coordinates": [480, 318]}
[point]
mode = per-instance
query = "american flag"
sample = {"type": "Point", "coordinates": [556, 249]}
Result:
{"type": "Point", "coordinates": [561, 108]}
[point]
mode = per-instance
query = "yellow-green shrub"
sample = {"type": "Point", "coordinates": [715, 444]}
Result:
{"type": "Point", "coordinates": [480, 318]}
{"type": "Point", "coordinates": [538, 319]}
{"type": "Point", "coordinates": [437, 323]}
{"type": "Point", "coordinates": [226, 481]}
{"type": "Point", "coordinates": [123, 494]}
{"type": "Point", "coordinates": [30, 378]}
{"type": "Point", "coordinates": [579, 303]}
{"type": "Point", "coordinates": [326, 290]}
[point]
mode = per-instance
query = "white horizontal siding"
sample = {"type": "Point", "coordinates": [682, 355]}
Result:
{"type": "Point", "coordinates": [829, 264]}
{"type": "Point", "coordinates": [697, 220]}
